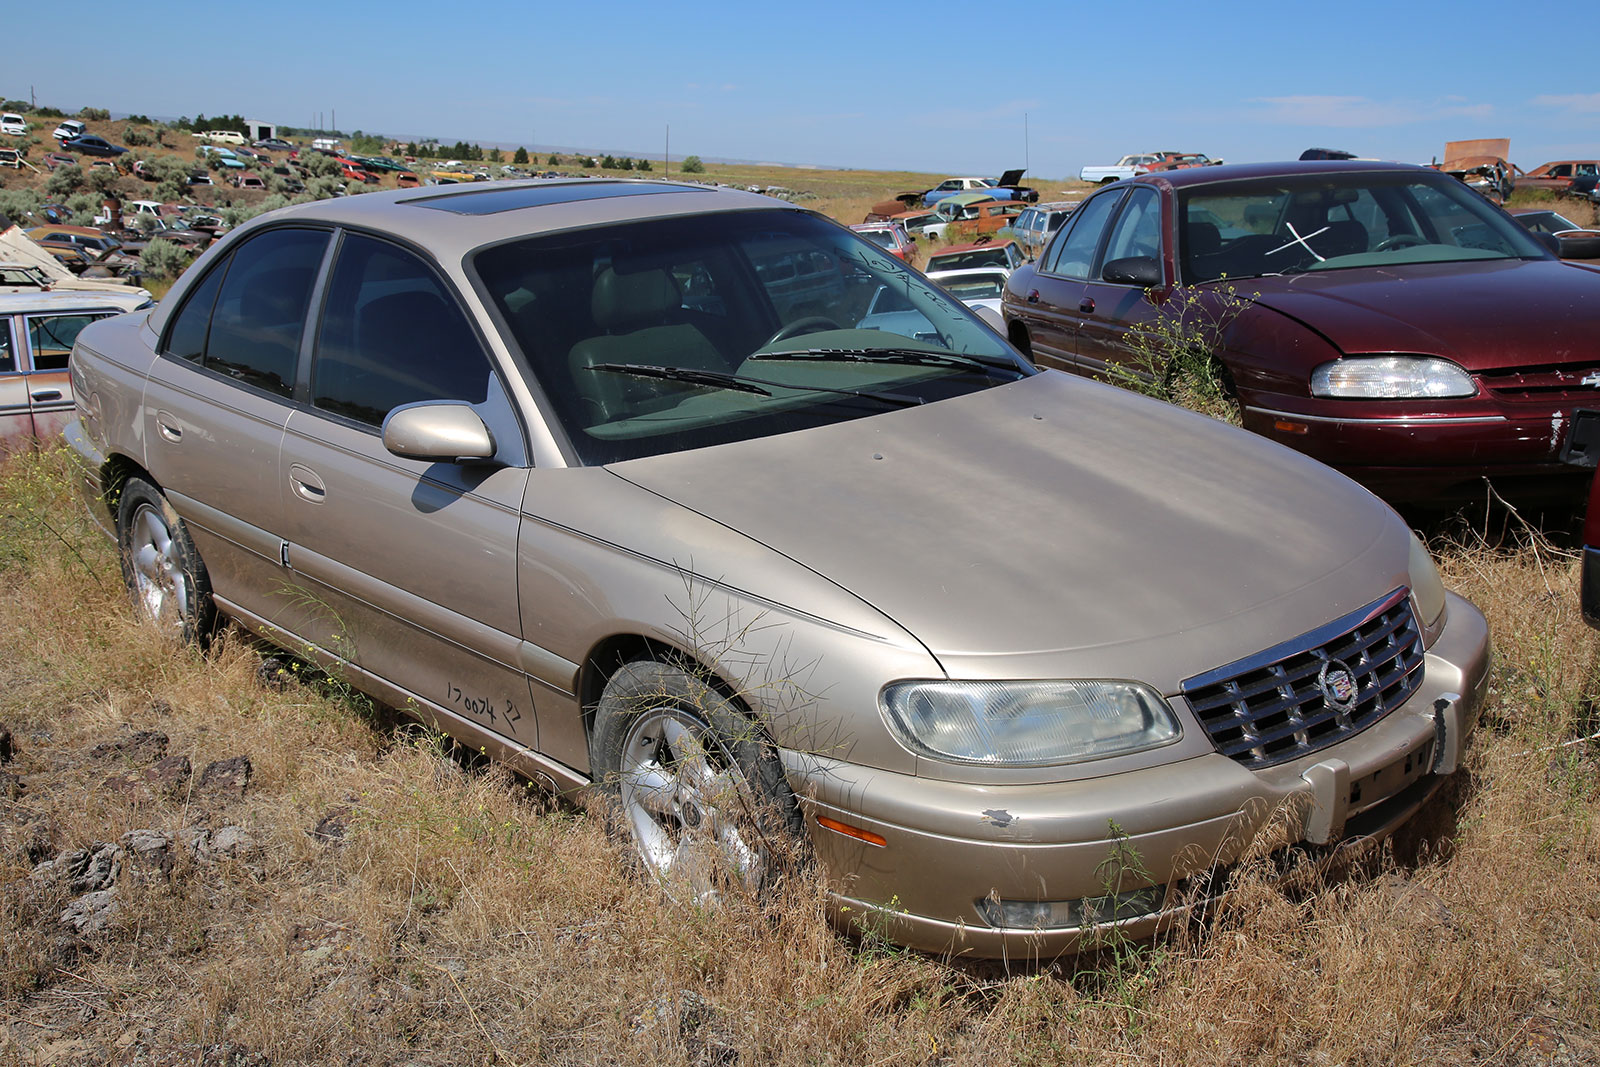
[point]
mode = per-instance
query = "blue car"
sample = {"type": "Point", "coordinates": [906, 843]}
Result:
{"type": "Point", "coordinates": [90, 145]}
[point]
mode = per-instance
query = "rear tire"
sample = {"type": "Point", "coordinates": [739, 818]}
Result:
{"type": "Point", "coordinates": [164, 573]}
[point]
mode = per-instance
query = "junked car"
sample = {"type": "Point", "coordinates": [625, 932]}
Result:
{"type": "Point", "coordinates": [1380, 317]}
{"type": "Point", "coordinates": [37, 331]}
{"type": "Point", "coordinates": [1571, 240]}
{"type": "Point", "coordinates": [891, 236]}
{"type": "Point", "coordinates": [976, 287]}
{"type": "Point", "coordinates": [13, 125]}
{"type": "Point", "coordinates": [1036, 225]}
{"type": "Point", "coordinates": [985, 252]}
{"type": "Point", "coordinates": [559, 467]}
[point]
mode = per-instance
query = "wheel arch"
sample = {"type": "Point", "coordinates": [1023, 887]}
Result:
{"type": "Point", "coordinates": [114, 474]}
{"type": "Point", "coordinates": [614, 652]}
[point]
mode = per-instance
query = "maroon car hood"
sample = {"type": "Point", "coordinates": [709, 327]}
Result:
{"type": "Point", "coordinates": [1483, 315]}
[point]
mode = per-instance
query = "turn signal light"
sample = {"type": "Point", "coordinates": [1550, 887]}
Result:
{"type": "Point", "coordinates": [852, 831]}
{"type": "Point", "coordinates": [1285, 426]}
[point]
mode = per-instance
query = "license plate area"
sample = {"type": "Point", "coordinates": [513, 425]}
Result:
{"type": "Point", "coordinates": [1385, 782]}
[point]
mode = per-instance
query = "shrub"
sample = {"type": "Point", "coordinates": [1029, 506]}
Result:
{"type": "Point", "coordinates": [318, 165]}
{"type": "Point", "coordinates": [102, 180]}
{"type": "Point", "coordinates": [495, 156]}
{"type": "Point", "coordinates": [64, 180]}
{"type": "Point", "coordinates": [643, 164]}
{"type": "Point", "coordinates": [95, 114]}
{"type": "Point", "coordinates": [1176, 351]}
{"type": "Point", "coordinates": [18, 204]}
{"type": "Point", "coordinates": [520, 157]}
{"type": "Point", "coordinates": [163, 259]}
{"type": "Point", "coordinates": [692, 165]}
{"type": "Point", "coordinates": [82, 207]}
{"type": "Point", "coordinates": [553, 161]}
{"type": "Point", "coordinates": [136, 137]}
{"type": "Point", "coordinates": [608, 163]}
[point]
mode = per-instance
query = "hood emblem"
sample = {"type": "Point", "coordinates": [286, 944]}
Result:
{"type": "Point", "coordinates": [1338, 685]}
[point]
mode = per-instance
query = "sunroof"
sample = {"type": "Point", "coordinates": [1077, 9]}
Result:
{"type": "Point", "coordinates": [493, 201]}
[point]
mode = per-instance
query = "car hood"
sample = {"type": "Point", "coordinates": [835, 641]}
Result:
{"type": "Point", "coordinates": [1055, 527]}
{"type": "Point", "coordinates": [1483, 314]}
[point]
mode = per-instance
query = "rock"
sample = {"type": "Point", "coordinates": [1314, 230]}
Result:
{"type": "Point", "coordinates": [170, 777]}
{"type": "Point", "coordinates": [331, 828]}
{"type": "Point", "coordinates": [274, 673]}
{"type": "Point", "coordinates": [91, 912]}
{"type": "Point", "coordinates": [85, 869]}
{"type": "Point", "coordinates": [149, 849]}
{"type": "Point", "coordinates": [38, 840]}
{"type": "Point", "coordinates": [142, 746]}
{"type": "Point", "coordinates": [211, 846]}
{"type": "Point", "coordinates": [226, 776]}
{"type": "Point", "coordinates": [8, 747]}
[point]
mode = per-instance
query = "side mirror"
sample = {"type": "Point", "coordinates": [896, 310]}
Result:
{"type": "Point", "coordinates": [446, 432]}
{"type": "Point", "coordinates": [1143, 271]}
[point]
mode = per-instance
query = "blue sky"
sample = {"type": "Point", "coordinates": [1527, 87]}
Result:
{"type": "Point", "coordinates": [927, 87]}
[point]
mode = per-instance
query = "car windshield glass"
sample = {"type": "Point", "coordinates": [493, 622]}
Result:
{"type": "Point", "coordinates": [1325, 221]}
{"type": "Point", "coordinates": [881, 238]}
{"type": "Point", "coordinates": [605, 317]}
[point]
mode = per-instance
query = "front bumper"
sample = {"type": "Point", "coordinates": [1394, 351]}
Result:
{"type": "Point", "coordinates": [955, 857]}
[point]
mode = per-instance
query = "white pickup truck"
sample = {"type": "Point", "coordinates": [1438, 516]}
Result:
{"type": "Point", "coordinates": [1127, 167]}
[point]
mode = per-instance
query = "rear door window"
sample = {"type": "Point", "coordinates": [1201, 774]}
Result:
{"type": "Point", "coordinates": [250, 328]}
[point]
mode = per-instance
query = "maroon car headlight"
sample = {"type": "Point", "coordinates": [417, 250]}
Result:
{"type": "Point", "coordinates": [1391, 378]}
{"type": "Point", "coordinates": [1027, 724]}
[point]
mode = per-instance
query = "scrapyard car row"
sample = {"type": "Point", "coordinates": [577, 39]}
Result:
{"type": "Point", "coordinates": [582, 472]}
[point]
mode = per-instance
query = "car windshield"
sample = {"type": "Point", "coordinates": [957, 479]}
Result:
{"type": "Point", "coordinates": [669, 334]}
{"type": "Point", "coordinates": [1324, 221]}
{"type": "Point", "coordinates": [974, 286]}
{"type": "Point", "coordinates": [881, 238]}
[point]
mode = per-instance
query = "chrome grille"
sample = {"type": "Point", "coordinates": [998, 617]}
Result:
{"type": "Point", "coordinates": [1556, 383]}
{"type": "Point", "coordinates": [1275, 706]}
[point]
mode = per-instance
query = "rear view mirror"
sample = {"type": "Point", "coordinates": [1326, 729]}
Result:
{"type": "Point", "coordinates": [443, 432]}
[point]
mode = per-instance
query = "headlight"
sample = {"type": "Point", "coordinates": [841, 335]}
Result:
{"type": "Point", "coordinates": [1026, 724]}
{"type": "Point", "coordinates": [1426, 586]}
{"type": "Point", "coordinates": [1390, 378]}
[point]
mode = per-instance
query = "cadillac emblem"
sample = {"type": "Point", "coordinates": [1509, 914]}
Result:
{"type": "Point", "coordinates": [1338, 685]}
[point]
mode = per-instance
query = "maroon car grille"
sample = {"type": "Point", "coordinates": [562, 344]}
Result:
{"type": "Point", "coordinates": [1313, 691]}
{"type": "Point", "coordinates": [1548, 383]}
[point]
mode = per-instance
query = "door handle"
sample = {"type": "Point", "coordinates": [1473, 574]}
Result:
{"type": "Point", "coordinates": [1086, 305]}
{"type": "Point", "coordinates": [168, 427]}
{"type": "Point", "coordinates": [307, 486]}
{"type": "Point", "coordinates": [41, 395]}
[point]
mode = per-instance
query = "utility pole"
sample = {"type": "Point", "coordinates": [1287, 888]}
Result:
{"type": "Point", "coordinates": [666, 153]}
{"type": "Point", "coordinates": [1026, 163]}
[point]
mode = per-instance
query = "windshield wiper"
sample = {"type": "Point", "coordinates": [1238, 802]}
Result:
{"type": "Point", "coordinates": [684, 374]}
{"type": "Point", "coordinates": [744, 384]}
{"type": "Point", "coordinates": [917, 357]}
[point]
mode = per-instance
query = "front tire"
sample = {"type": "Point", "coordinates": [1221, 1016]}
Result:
{"type": "Point", "coordinates": [699, 787]}
{"type": "Point", "coordinates": [163, 571]}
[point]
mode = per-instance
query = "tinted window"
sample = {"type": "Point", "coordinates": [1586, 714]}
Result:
{"type": "Point", "coordinates": [51, 338]}
{"type": "Point", "coordinates": [187, 338]}
{"type": "Point", "coordinates": [261, 308]}
{"type": "Point", "coordinates": [392, 335]}
{"type": "Point", "coordinates": [1138, 228]}
{"type": "Point", "coordinates": [8, 358]}
{"type": "Point", "coordinates": [1072, 253]}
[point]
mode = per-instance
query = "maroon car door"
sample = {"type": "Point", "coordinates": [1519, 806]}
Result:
{"type": "Point", "coordinates": [1053, 298]}
{"type": "Point", "coordinates": [1115, 310]}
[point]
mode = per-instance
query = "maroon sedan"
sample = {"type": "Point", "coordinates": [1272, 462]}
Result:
{"type": "Point", "coordinates": [1382, 318]}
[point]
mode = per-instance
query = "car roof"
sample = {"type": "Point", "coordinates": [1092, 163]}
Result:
{"type": "Point", "coordinates": [1233, 172]}
{"type": "Point", "coordinates": [453, 220]}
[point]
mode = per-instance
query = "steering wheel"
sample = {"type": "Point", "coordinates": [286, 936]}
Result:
{"type": "Point", "coordinates": [807, 324]}
{"type": "Point", "coordinates": [1399, 240]}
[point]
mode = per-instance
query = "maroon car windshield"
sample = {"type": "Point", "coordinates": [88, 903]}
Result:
{"type": "Point", "coordinates": [1290, 225]}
